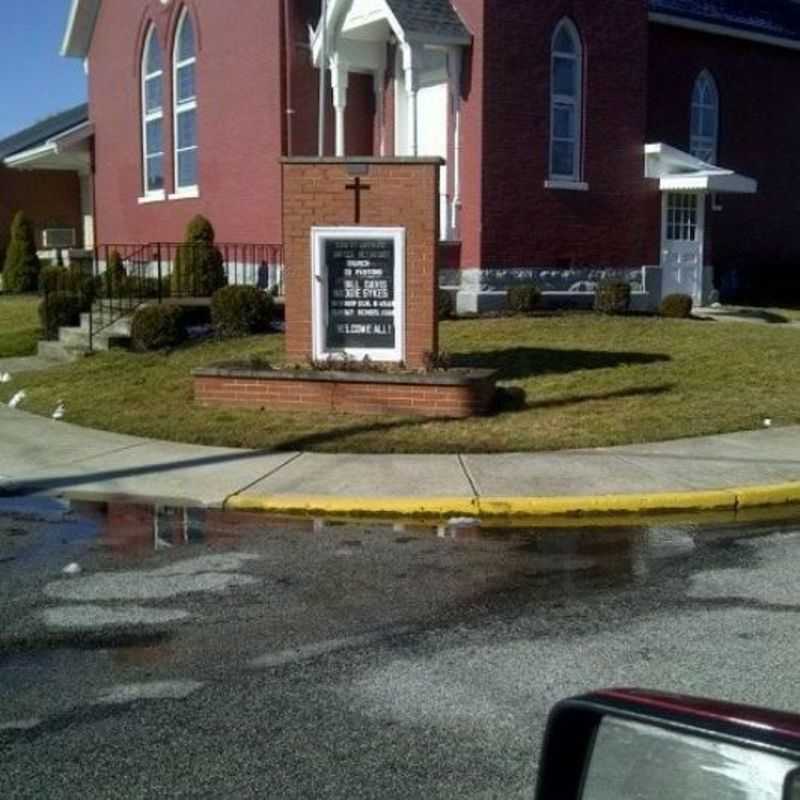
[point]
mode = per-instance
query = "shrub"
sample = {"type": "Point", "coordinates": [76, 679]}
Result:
{"type": "Point", "coordinates": [524, 298]}
{"type": "Point", "coordinates": [59, 309]}
{"type": "Point", "coordinates": [157, 327]}
{"type": "Point", "coordinates": [75, 279]}
{"type": "Point", "coordinates": [613, 297]}
{"type": "Point", "coordinates": [241, 311]}
{"type": "Point", "coordinates": [676, 306]}
{"type": "Point", "coordinates": [53, 278]}
{"type": "Point", "coordinates": [115, 277]}
{"type": "Point", "coordinates": [198, 269]}
{"type": "Point", "coordinates": [444, 305]}
{"type": "Point", "coordinates": [21, 268]}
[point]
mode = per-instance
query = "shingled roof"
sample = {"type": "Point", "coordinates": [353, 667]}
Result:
{"type": "Point", "coordinates": [43, 131]}
{"type": "Point", "coordinates": [431, 17]}
{"type": "Point", "coordinates": [773, 18]}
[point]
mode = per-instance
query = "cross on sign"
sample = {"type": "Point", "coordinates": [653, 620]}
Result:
{"type": "Point", "coordinates": [358, 187]}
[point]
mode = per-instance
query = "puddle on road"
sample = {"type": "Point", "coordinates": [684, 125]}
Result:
{"type": "Point", "coordinates": [139, 554]}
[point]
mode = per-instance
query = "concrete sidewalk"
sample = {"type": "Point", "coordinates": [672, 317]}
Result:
{"type": "Point", "coordinates": [718, 472]}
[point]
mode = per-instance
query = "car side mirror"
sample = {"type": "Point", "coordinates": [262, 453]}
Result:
{"type": "Point", "coordinates": [635, 745]}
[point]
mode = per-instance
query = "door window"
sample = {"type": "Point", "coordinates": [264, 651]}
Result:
{"type": "Point", "coordinates": [682, 218]}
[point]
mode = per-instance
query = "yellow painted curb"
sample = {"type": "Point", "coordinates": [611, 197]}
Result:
{"type": "Point", "coordinates": [433, 507]}
{"type": "Point", "coordinates": [606, 504]}
{"type": "Point", "coordinates": [748, 497]}
{"type": "Point", "coordinates": [760, 496]}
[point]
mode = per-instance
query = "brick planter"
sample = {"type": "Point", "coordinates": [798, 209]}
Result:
{"type": "Point", "coordinates": [451, 394]}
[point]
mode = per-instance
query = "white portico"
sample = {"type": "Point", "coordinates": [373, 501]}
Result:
{"type": "Point", "coordinates": [420, 47]}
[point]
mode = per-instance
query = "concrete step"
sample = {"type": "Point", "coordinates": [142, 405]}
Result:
{"type": "Point", "coordinates": [57, 351]}
{"type": "Point", "coordinates": [107, 324]}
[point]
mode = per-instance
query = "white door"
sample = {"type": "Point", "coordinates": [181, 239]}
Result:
{"type": "Point", "coordinates": [682, 235]}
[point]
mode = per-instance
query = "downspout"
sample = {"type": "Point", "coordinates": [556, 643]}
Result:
{"type": "Point", "coordinates": [288, 66]}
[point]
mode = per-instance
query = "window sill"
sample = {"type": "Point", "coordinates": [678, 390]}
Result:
{"type": "Point", "coordinates": [570, 186]}
{"type": "Point", "coordinates": [155, 197]}
{"type": "Point", "coordinates": [191, 193]}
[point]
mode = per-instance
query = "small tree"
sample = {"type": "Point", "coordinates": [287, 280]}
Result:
{"type": "Point", "coordinates": [22, 267]}
{"type": "Point", "coordinates": [115, 275]}
{"type": "Point", "coordinates": [198, 269]}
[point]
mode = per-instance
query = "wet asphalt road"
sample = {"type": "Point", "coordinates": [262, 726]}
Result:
{"type": "Point", "coordinates": [210, 656]}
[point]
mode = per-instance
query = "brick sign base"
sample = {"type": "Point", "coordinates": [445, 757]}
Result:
{"type": "Point", "coordinates": [450, 395]}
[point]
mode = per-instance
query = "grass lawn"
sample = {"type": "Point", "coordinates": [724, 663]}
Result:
{"type": "Point", "coordinates": [589, 381]}
{"type": "Point", "coordinates": [19, 325]}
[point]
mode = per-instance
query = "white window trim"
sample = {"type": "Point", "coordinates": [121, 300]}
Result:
{"type": "Point", "coordinates": [150, 116]}
{"type": "Point", "coordinates": [570, 186]}
{"type": "Point", "coordinates": [153, 197]}
{"type": "Point", "coordinates": [576, 102]}
{"type": "Point", "coordinates": [179, 108]}
{"type": "Point", "coordinates": [698, 141]}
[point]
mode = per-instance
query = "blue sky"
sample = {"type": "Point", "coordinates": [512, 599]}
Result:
{"type": "Point", "coordinates": [34, 80]}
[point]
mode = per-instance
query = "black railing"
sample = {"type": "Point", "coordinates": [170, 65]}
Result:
{"type": "Point", "coordinates": [129, 276]}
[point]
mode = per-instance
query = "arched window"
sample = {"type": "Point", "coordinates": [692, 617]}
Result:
{"type": "Point", "coordinates": [704, 139]}
{"type": "Point", "coordinates": [185, 93]}
{"type": "Point", "coordinates": [566, 103]}
{"type": "Point", "coordinates": [153, 115]}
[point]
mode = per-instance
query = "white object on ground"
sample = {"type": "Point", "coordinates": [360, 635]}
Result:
{"type": "Point", "coordinates": [72, 569]}
{"type": "Point", "coordinates": [5, 377]}
{"type": "Point", "coordinates": [59, 412]}
{"type": "Point", "coordinates": [157, 690]}
{"type": "Point", "coordinates": [767, 423]}
{"type": "Point", "coordinates": [17, 399]}
{"type": "Point", "coordinates": [463, 522]}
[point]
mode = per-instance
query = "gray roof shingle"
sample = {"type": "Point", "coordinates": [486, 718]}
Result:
{"type": "Point", "coordinates": [43, 131]}
{"type": "Point", "coordinates": [437, 17]}
{"type": "Point", "coordinates": [778, 18]}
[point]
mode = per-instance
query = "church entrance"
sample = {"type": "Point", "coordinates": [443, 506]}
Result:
{"type": "Point", "coordinates": [682, 240]}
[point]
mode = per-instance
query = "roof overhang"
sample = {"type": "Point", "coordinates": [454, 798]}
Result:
{"type": "Point", "coordinates": [677, 171]}
{"type": "Point", "coordinates": [80, 28]}
{"type": "Point", "coordinates": [69, 151]}
{"type": "Point", "coordinates": [343, 22]}
{"type": "Point", "coordinates": [723, 30]}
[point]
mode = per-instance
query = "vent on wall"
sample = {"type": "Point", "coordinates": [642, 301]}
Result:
{"type": "Point", "coordinates": [58, 237]}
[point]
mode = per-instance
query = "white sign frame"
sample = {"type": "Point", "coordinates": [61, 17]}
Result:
{"type": "Point", "coordinates": [319, 294]}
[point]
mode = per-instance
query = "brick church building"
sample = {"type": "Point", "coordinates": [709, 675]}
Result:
{"type": "Point", "coordinates": [655, 139]}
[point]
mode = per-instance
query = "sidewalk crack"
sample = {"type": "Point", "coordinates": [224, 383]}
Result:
{"type": "Point", "coordinates": [269, 474]}
{"type": "Point", "coordinates": [468, 475]}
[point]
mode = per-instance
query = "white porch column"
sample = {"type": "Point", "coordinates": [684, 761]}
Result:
{"type": "Point", "coordinates": [87, 210]}
{"type": "Point", "coordinates": [340, 81]}
{"type": "Point", "coordinates": [411, 70]}
{"type": "Point", "coordinates": [379, 79]}
{"type": "Point", "coordinates": [454, 68]}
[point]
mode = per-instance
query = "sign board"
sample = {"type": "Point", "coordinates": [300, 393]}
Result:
{"type": "Point", "coordinates": [359, 299]}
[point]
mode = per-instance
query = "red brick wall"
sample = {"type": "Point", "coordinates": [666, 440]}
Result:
{"type": "Point", "coordinates": [759, 109]}
{"type": "Point", "coordinates": [240, 119]}
{"type": "Point", "coordinates": [524, 223]}
{"type": "Point", "coordinates": [401, 195]}
{"type": "Point", "coordinates": [50, 199]}
{"type": "Point", "coordinates": [353, 398]}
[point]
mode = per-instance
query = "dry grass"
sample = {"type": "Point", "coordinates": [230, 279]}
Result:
{"type": "Point", "coordinates": [19, 325]}
{"type": "Point", "coordinates": [589, 381]}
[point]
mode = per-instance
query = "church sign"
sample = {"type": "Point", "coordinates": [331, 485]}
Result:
{"type": "Point", "coordinates": [358, 303]}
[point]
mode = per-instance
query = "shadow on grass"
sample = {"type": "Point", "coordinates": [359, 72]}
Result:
{"type": "Point", "coordinates": [512, 401]}
{"type": "Point", "coordinates": [515, 363]}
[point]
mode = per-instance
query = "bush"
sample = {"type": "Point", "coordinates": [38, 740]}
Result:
{"type": "Point", "coordinates": [241, 311]}
{"type": "Point", "coordinates": [613, 297]}
{"type": "Point", "coordinates": [676, 306]}
{"type": "Point", "coordinates": [59, 309]}
{"type": "Point", "coordinates": [157, 327]}
{"type": "Point", "coordinates": [115, 277]}
{"type": "Point", "coordinates": [198, 269]}
{"type": "Point", "coordinates": [444, 305]}
{"type": "Point", "coordinates": [76, 279]}
{"type": "Point", "coordinates": [524, 299]}
{"type": "Point", "coordinates": [21, 267]}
